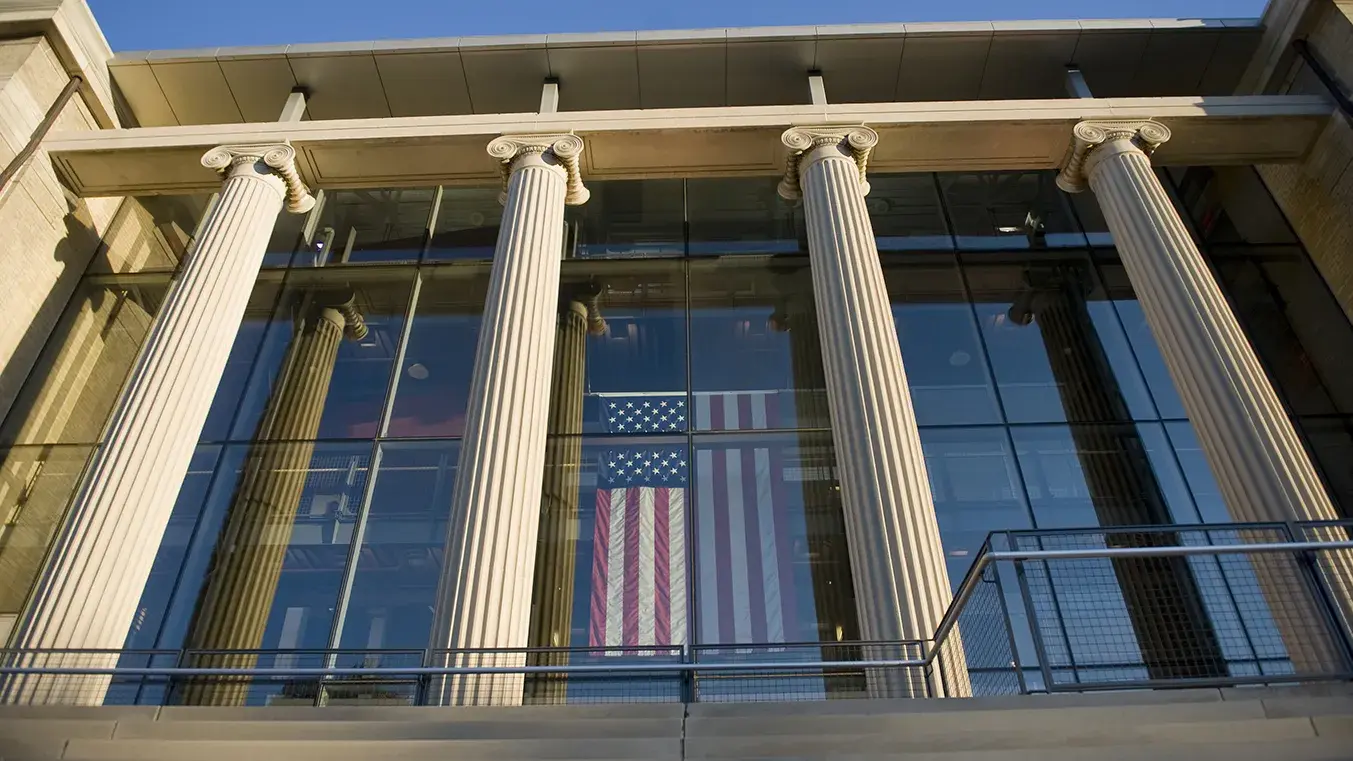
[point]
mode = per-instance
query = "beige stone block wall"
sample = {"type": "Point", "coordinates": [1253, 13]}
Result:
{"type": "Point", "coordinates": [1317, 194]}
{"type": "Point", "coordinates": [46, 237]}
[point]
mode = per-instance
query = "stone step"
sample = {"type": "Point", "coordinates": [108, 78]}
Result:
{"type": "Point", "coordinates": [947, 739]}
{"type": "Point", "coordinates": [1317, 749]}
{"type": "Point", "coordinates": [1028, 718]}
{"type": "Point", "coordinates": [430, 729]}
{"type": "Point", "coordinates": [646, 749]}
{"type": "Point", "coordinates": [47, 737]}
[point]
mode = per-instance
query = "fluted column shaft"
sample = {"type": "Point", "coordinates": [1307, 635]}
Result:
{"type": "Point", "coordinates": [484, 598]}
{"type": "Point", "coordinates": [901, 585]}
{"type": "Point", "coordinates": [237, 600]}
{"type": "Point", "coordinates": [556, 559]}
{"type": "Point", "coordinates": [102, 558]}
{"type": "Point", "coordinates": [1259, 462]}
{"type": "Point", "coordinates": [1172, 628]}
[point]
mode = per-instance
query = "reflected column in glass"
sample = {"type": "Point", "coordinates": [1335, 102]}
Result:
{"type": "Point", "coordinates": [236, 603]}
{"type": "Point", "coordinates": [295, 535]}
{"type": "Point", "coordinates": [373, 302]}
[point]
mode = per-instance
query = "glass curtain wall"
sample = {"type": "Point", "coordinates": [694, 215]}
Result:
{"type": "Point", "coordinates": [690, 495]}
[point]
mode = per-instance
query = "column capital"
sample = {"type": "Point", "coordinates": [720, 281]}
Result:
{"type": "Point", "coordinates": [276, 158]}
{"type": "Point", "coordinates": [564, 148]}
{"type": "Point", "coordinates": [855, 141]}
{"type": "Point", "coordinates": [1146, 136]}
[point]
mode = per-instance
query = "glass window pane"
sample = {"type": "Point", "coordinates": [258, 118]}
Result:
{"type": "Point", "coordinates": [281, 516]}
{"type": "Point", "coordinates": [1089, 475]}
{"type": "Point", "coordinates": [330, 348]}
{"type": "Point", "coordinates": [433, 385]}
{"type": "Point", "coordinates": [399, 561]}
{"type": "Point", "coordinates": [1197, 473]}
{"type": "Point", "coordinates": [999, 210]}
{"type": "Point", "coordinates": [1144, 349]}
{"type": "Point", "coordinates": [755, 357]}
{"type": "Point", "coordinates": [629, 219]}
{"type": "Point", "coordinates": [1331, 445]}
{"type": "Point", "coordinates": [150, 233]}
{"type": "Point", "coordinates": [1230, 205]}
{"type": "Point", "coordinates": [1056, 348]}
{"type": "Point", "coordinates": [742, 215]}
{"type": "Point", "coordinates": [358, 226]}
{"type": "Point", "coordinates": [1295, 324]}
{"type": "Point", "coordinates": [36, 484]}
{"type": "Point", "coordinates": [628, 374]}
{"type": "Point", "coordinates": [905, 212]}
{"type": "Point", "coordinates": [945, 363]}
{"type": "Point", "coordinates": [73, 386]}
{"type": "Point", "coordinates": [975, 484]}
{"type": "Point", "coordinates": [179, 535]}
{"type": "Point", "coordinates": [767, 523]}
{"type": "Point", "coordinates": [467, 223]}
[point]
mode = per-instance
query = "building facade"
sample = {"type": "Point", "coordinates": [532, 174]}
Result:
{"type": "Point", "coordinates": [631, 344]}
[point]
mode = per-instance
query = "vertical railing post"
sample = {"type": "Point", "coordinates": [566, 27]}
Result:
{"type": "Point", "coordinates": [1035, 630]}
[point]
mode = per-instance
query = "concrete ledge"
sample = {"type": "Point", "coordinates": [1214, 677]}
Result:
{"type": "Point", "coordinates": [364, 750]}
{"type": "Point", "coordinates": [1281, 708]}
{"type": "Point", "coordinates": [1070, 734]}
{"type": "Point", "coordinates": [995, 703]}
{"type": "Point", "coordinates": [1335, 726]}
{"type": "Point", "coordinates": [904, 724]}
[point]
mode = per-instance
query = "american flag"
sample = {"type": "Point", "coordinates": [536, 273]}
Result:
{"type": "Point", "coordinates": [639, 570]}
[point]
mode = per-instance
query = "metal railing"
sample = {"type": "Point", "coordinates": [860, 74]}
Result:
{"type": "Point", "coordinates": [1038, 611]}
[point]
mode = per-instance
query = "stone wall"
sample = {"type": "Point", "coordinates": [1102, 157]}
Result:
{"type": "Point", "coordinates": [1317, 194]}
{"type": "Point", "coordinates": [48, 236]}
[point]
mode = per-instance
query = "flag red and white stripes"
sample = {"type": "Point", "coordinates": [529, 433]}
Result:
{"type": "Point", "coordinates": [743, 580]}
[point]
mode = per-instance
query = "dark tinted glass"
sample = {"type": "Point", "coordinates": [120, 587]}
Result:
{"type": "Point", "coordinates": [1009, 210]}
{"type": "Point", "coordinates": [628, 219]}
{"type": "Point", "coordinates": [741, 215]}
{"type": "Point", "coordinates": [433, 384]}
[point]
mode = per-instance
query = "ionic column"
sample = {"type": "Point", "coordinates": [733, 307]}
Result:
{"type": "Point", "coordinates": [556, 559]}
{"type": "Point", "coordinates": [237, 600]}
{"type": "Point", "coordinates": [1260, 465]}
{"type": "Point", "coordinates": [897, 563]}
{"type": "Point", "coordinates": [484, 598]}
{"type": "Point", "coordinates": [87, 595]}
{"type": "Point", "coordinates": [1173, 630]}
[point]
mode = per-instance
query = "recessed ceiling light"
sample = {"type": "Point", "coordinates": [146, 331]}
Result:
{"type": "Point", "coordinates": [418, 371]}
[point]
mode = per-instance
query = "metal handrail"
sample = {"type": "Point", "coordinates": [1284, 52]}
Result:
{"type": "Point", "coordinates": [946, 625]}
{"type": "Point", "coordinates": [11, 169]}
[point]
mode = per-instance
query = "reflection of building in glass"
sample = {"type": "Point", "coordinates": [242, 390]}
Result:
{"type": "Point", "coordinates": [650, 386]}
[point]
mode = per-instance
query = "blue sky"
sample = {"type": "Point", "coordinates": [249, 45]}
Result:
{"type": "Point", "coordinates": [152, 24]}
